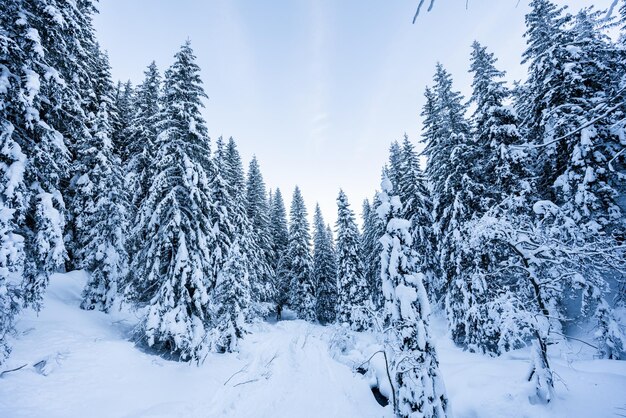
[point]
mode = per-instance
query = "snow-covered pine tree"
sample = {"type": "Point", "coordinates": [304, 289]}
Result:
{"type": "Point", "coordinates": [588, 186]}
{"type": "Point", "coordinates": [225, 211]}
{"type": "Point", "coordinates": [14, 199]}
{"type": "Point", "coordinates": [278, 227]}
{"type": "Point", "coordinates": [232, 298]}
{"type": "Point", "coordinates": [259, 216]}
{"type": "Point", "coordinates": [546, 57]}
{"type": "Point", "coordinates": [40, 117]}
{"type": "Point", "coordinates": [67, 31]}
{"type": "Point", "coordinates": [299, 263]}
{"type": "Point", "coordinates": [124, 99]}
{"type": "Point", "coordinates": [373, 230]}
{"type": "Point", "coordinates": [503, 165]}
{"type": "Point", "coordinates": [352, 287]}
{"type": "Point", "coordinates": [235, 175]}
{"type": "Point", "coordinates": [280, 240]}
{"type": "Point", "coordinates": [417, 209]}
{"type": "Point", "coordinates": [237, 225]}
{"type": "Point", "coordinates": [394, 166]}
{"type": "Point", "coordinates": [573, 128]}
{"type": "Point", "coordinates": [270, 202]}
{"type": "Point", "coordinates": [175, 263]}
{"type": "Point", "coordinates": [100, 222]}
{"type": "Point", "coordinates": [455, 194]}
{"type": "Point", "coordinates": [41, 104]}
{"type": "Point", "coordinates": [572, 95]}
{"type": "Point", "coordinates": [418, 382]}
{"type": "Point", "coordinates": [324, 270]}
{"type": "Point", "coordinates": [142, 137]}
{"type": "Point", "coordinates": [488, 311]}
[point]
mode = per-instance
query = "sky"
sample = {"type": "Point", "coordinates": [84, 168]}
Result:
{"type": "Point", "coordinates": [316, 89]}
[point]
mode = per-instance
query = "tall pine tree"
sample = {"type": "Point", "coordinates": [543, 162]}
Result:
{"type": "Point", "coordinates": [450, 151]}
{"type": "Point", "coordinates": [324, 270]}
{"type": "Point", "coordinates": [100, 223]}
{"type": "Point", "coordinates": [259, 216]}
{"type": "Point", "coordinates": [417, 380]}
{"type": "Point", "coordinates": [280, 240]}
{"type": "Point", "coordinates": [373, 230]}
{"type": "Point", "coordinates": [299, 263]}
{"type": "Point", "coordinates": [174, 265]}
{"type": "Point", "coordinates": [352, 288]}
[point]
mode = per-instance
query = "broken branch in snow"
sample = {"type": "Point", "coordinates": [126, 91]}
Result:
{"type": "Point", "coordinates": [272, 359]}
{"type": "Point", "coordinates": [13, 370]}
{"type": "Point", "coordinates": [242, 370]}
{"type": "Point", "coordinates": [247, 381]}
{"type": "Point", "coordinates": [393, 391]}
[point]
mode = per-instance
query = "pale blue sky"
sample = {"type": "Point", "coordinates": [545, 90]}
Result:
{"type": "Point", "coordinates": [317, 89]}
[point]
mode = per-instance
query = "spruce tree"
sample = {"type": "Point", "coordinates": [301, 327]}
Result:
{"type": "Point", "coordinates": [232, 298]}
{"type": "Point", "coordinates": [100, 225]}
{"type": "Point", "coordinates": [487, 312]}
{"type": "Point", "coordinates": [41, 118]}
{"type": "Point", "coordinates": [352, 288]}
{"type": "Point", "coordinates": [142, 137]}
{"type": "Point", "coordinates": [238, 226]}
{"type": "Point", "coordinates": [174, 267]}
{"type": "Point", "coordinates": [418, 382]}
{"type": "Point", "coordinates": [588, 186]}
{"type": "Point", "coordinates": [455, 193]}
{"type": "Point", "coordinates": [324, 270]}
{"type": "Point", "coordinates": [13, 187]}
{"type": "Point", "coordinates": [259, 216]}
{"type": "Point", "coordinates": [503, 166]}
{"type": "Point", "coordinates": [41, 113]}
{"type": "Point", "coordinates": [228, 219]}
{"type": "Point", "coordinates": [394, 166]}
{"type": "Point", "coordinates": [299, 263]}
{"type": "Point", "coordinates": [124, 98]}
{"type": "Point", "coordinates": [416, 199]}
{"type": "Point", "coordinates": [373, 230]}
{"type": "Point", "coordinates": [546, 57]}
{"type": "Point", "coordinates": [280, 240]}
{"type": "Point", "coordinates": [579, 168]}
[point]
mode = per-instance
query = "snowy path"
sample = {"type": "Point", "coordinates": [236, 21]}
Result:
{"type": "Point", "coordinates": [283, 370]}
{"type": "Point", "coordinates": [288, 370]}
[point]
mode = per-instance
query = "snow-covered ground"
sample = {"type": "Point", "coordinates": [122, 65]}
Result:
{"type": "Point", "coordinates": [81, 364]}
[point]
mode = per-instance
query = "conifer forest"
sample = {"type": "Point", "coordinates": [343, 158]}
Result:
{"type": "Point", "coordinates": [149, 270]}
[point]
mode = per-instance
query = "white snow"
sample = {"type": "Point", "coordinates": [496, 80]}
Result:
{"type": "Point", "coordinates": [81, 363]}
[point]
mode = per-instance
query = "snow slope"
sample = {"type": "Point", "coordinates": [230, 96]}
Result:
{"type": "Point", "coordinates": [289, 369]}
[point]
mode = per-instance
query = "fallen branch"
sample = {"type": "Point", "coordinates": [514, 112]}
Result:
{"type": "Point", "coordinates": [272, 359]}
{"type": "Point", "coordinates": [393, 391]}
{"type": "Point", "coordinates": [247, 381]}
{"type": "Point", "coordinates": [13, 370]}
{"type": "Point", "coordinates": [242, 370]}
